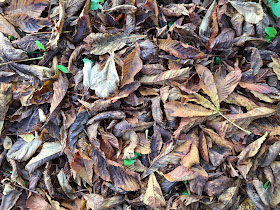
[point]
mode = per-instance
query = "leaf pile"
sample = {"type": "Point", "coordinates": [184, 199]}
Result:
{"type": "Point", "coordinates": [139, 104]}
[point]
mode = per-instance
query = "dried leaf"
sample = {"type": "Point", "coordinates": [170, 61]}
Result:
{"type": "Point", "coordinates": [7, 28]}
{"type": "Point", "coordinates": [179, 49]}
{"type": "Point", "coordinates": [104, 81]}
{"type": "Point", "coordinates": [22, 150]}
{"type": "Point", "coordinates": [276, 66]}
{"type": "Point", "coordinates": [170, 74]}
{"type": "Point", "coordinates": [82, 164]}
{"type": "Point", "coordinates": [153, 196]}
{"type": "Point", "coordinates": [226, 85]}
{"type": "Point", "coordinates": [6, 95]}
{"type": "Point", "coordinates": [104, 43]}
{"type": "Point", "coordinates": [177, 109]}
{"type": "Point", "coordinates": [252, 11]}
{"type": "Point", "coordinates": [208, 84]}
{"type": "Point", "coordinates": [37, 202]}
{"type": "Point", "coordinates": [180, 173]}
{"type": "Point", "coordinates": [94, 201]}
{"type": "Point", "coordinates": [50, 150]}
{"type": "Point", "coordinates": [132, 65]}
{"type": "Point", "coordinates": [251, 150]}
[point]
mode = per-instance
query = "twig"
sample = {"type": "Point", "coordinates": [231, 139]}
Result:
{"type": "Point", "coordinates": [248, 132]}
{"type": "Point", "coordinates": [29, 59]}
{"type": "Point", "coordinates": [26, 188]}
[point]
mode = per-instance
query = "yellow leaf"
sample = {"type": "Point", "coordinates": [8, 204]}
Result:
{"type": "Point", "coordinates": [153, 196]}
{"type": "Point", "coordinates": [27, 137]}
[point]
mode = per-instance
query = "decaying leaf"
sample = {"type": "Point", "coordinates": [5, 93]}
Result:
{"type": "Point", "coordinates": [104, 80]}
{"type": "Point", "coordinates": [6, 95]}
{"type": "Point", "coordinates": [104, 43]}
{"type": "Point", "coordinates": [132, 65]}
{"type": "Point", "coordinates": [252, 12]}
{"type": "Point", "coordinates": [50, 150]}
{"type": "Point", "coordinates": [153, 196]}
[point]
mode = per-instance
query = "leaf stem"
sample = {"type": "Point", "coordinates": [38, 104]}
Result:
{"type": "Point", "coordinates": [29, 59]}
{"type": "Point", "coordinates": [248, 132]}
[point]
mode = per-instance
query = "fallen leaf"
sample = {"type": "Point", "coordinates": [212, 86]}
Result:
{"type": "Point", "coordinates": [6, 95]}
{"type": "Point", "coordinates": [104, 81]}
{"type": "Point", "coordinates": [50, 150]}
{"type": "Point", "coordinates": [37, 202]}
{"type": "Point", "coordinates": [208, 84]}
{"type": "Point", "coordinates": [178, 109]}
{"type": "Point", "coordinates": [105, 43]}
{"type": "Point", "coordinates": [252, 11]}
{"type": "Point", "coordinates": [276, 66]}
{"type": "Point", "coordinates": [132, 65]}
{"type": "Point", "coordinates": [153, 196]}
{"type": "Point", "coordinates": [7, 28]}
{"type": "Point", "coordinates": [22, 150]}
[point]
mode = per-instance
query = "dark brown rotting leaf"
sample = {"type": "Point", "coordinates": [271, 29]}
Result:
{"type": "Point", "coordinates": [217, 186]}
{"type": "Point", "coordinates": [112, 115]}
{"type": "Point", "coordinates": [77, 127]}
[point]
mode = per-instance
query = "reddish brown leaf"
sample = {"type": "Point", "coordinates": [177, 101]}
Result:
{"type": "Point", "coordinates": [132, 65]}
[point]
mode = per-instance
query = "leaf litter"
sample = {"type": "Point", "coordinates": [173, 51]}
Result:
{"type": "Point", "coordinates": [139, 104]}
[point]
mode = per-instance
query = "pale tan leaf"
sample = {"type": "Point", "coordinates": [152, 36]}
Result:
{"type": "Point", "coordinates": [253, 114]}
{"type": "Point", "coordinates": [276, 66]}
{"type": "Point", "coordinates": [251, 150]}
{"type": "Point", "coordinates": [22, 150]}
{"type": "Point", "coordinates": [178, 109]}
{"type": "Point", "coordinates": [60, 88]}
{"type": "Point", "coordinates": [226, 85]}
{"type": "Point", "coordinates": [170, 74]}
{"type": "Point", "coordinates": [57, 29]}
{"type": "Point", "coordinates": [6, 95]}
{"type": "Point", "coordinates": [204, 29]}
{"type": "Point", "coordinates": [235, 98]}
{"type": "Point", "coordinates": [252, 11]}
{"type": "Point", "coordinates": [94, 201]}
{"type": "Point", "coordinates": [180, 174]}
{"type": "Point", "coordinates": [208, 84]}
{"type": "Point", "coordinates": [153, 196]}
{"type": "Point", "coordinates": [133, 139]}
{"type": "Point", "coordinates": [103, 81]}
{"type": "Point", "coordinates": [37, 202]}
{"type": "Point", "coordinates": [7, 28]}
{"type": "Point", "coordinates": [65, 186]}
{"type": "Point", "coordinates": [132, 65]}
{"type": "Point", "coordinates": [104, 43]}
{"type": "Point", "coordinates": [192, 157]}
{"type": "Point", "coordinates": [50, 150]}
{"type": "Point", "coordinates": [216, 138]}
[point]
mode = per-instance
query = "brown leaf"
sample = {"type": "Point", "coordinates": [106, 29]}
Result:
{"type": "Point", "coordinates": [57, 29]}
{"type": "Point", "coordinates": [26, 14]}
{"type": "Point", "coordinates": [203, 147]}
{"type": "Point", "coordinates": [153, 196]}
{"type": "Point", "coordinates": [224, 40]}
{"type": "Point", "coordinates": [252, 11]}
{"type": "Point", "coordinates": [82, 164]}
{"type": "Point", "coordinates": [276, 66]}
{"type": "Point", "coordinates": [60, 88]}
{"type": "Point", "coordinates": [7, 28]}
{"type": "Point", "coordinates": [192, 157]}
{"type": "Point", "coordinates": [50, 150]}
{"type": "Point", "coordinates": [6, 95]}
{"type": "Point", "coordinates": [208, 84]}
{"type": "Point", "coordinates": [180, 173]}
{"type": "Point", "coordinates": [104, 43]}
{"type": "Point", "coordinates": [37, 202]}
{"type": "Point", "coordinates": [226, 85]}
{"type": "Point", "coordinates": [170, 74]}
{"type": "Point", "coordinates": [132, 65]}
{"type": "Point", "coordinates": [273, 152]}
{"type": "Point", "coordinates": [177, 109]}
{"type": "Point", "coordinates": [94, 201]}
{"type": "Point", "coordinates": [82, 29]}
{"type": "Point", "coordinates": [217, 186]}
{"type": "Point", "coordinates": [251, 150]}
{"type": "Point", "coordinates": [113, 172]}
{"type": "Point", "coordinates": [175, 10]}
{"type": "Point", "coordinates": [133, 139]}
{"type": "Point", "coordinates": [179, 49]}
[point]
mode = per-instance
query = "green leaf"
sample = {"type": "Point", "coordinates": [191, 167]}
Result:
{"type": "Point", "coordinates": [87, 60]}
{"type": "Point", "coordinates": [275, 7]}
{"type": "Point", "coordinates": [186, 181]}
{"type": "Point", "coordinates": [11, 38]}
{"type": "Point", "coordinates": [128, 162]}
{"type": "Point", "coordinates": [62, 68]}
{"type": "Point", "coordinates": [266, 184]}
{"type": "Point", "coordinates": [40, 45]}
{"type": "Point", "coordinates": [271, 31]}
{"type": "Point", "coordinates": [185, 192]}
{"type": "Point", "coordinates": [218, 60]}
{"type": "Point", "coordinates": [170, 24]}
{"type": "Point", "coordinates": [94, 5]}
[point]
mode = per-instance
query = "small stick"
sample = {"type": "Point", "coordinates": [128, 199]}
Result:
{"type": "Point", "coordinates": [26, 188]}
{"type": "Point", "coordinates": [29, 59]}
